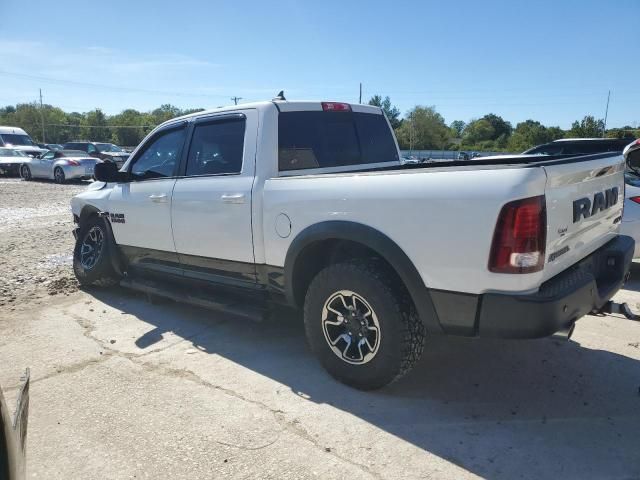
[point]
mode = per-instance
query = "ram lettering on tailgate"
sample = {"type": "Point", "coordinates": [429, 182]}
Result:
{"type": "Point", "coordinates": [585, 208]}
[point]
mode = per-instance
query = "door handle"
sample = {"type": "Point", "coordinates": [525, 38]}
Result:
{"type": "Point", "coordinates": [162, 198]}
{"type": "Point", "coordinates": [233, 197]}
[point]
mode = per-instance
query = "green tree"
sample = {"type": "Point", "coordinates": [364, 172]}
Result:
{"type": "Point", "coordinates": [131, 126]}
{"type": "Point", "coordinates": [588, 127]}
{"type": "Point", "coordinates": [478, 131]}
{"type": "Point", "coordinates": [165, 112]}
{"type": "Point", "coordinates": [392, 112]}
{"type": "Point", "coordinates": [94, 126]}
{"type": "Point", "coordinates": [531, 133]}
{"type": "Point", "coordinates": [501, 128]}
{"type": "Point", "coordinates": [423, 129]}
{"type": "Point", "coordinates": [457, 127]}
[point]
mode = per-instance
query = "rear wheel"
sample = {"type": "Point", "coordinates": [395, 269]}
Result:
{"type": "Point", "coordinates": [25, 173]}
{"type": "Point", "coordinates": [361, 325]}
{"type": "Point", "coordinates": [92, 255]}
{"type": "Point", "coordinates": [58, 175]}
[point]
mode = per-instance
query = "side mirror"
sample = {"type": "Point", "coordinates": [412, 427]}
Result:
{"type": "Point", "coordinates": [108, 172]}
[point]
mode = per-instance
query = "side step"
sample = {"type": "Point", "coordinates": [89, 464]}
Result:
{"type": "Point", "coordinates": [194, 296]}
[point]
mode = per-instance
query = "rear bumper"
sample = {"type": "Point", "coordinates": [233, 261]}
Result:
{"type": "Point", "coordinates": [586, 286]}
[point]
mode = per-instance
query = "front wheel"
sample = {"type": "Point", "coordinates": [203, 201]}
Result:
{"type": "Point", "coordinates": [58, 175]}
{"type": "Point", "coordinates": [92, 255]}
{"type": "Point", "coordinates": [25, 173]}
{"type": "Point", "coordinates": [361, 325]}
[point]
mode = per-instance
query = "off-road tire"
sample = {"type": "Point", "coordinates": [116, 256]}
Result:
{"type": "Point", "coordinates": [101, 273]}
{"type": "Point", "coordinates": [402, 332]}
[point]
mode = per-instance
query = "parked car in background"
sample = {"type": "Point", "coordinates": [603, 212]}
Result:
{"type": "Point", "coordinates": [104, 151]}
{"type": "Point", "coordinates": [580, 146]}
{"type": "Point", "coordinates": [13, 434]}
{"type": "Point", "coordinates": [10, 160]}
{"type": "Point", "coordinates": [19, 139]}
{"type": "Point", "coordinates": [631, 216]}
{"type": "Point", "coordinates": [53, 146]}
{"type": "Point", "coordinates": [60, 165]}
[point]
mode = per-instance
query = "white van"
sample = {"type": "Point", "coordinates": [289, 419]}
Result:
{"type": "Point", "coordinates": [18, 139]}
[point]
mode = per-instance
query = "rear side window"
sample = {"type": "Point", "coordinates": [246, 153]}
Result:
{"type": "Point", "coordinates": [333, 139]}
{"type": "Point", "coordinates": [216, 148]}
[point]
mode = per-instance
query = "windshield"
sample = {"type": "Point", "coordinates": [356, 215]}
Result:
{"type": "Point", "coordinates": [16, 139]}
{"type": "Point", "coordinates": [108, 147]}
{"type": "Point", "coordinates": [8, 152]}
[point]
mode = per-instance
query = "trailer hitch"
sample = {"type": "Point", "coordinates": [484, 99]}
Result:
{"type": "Point", "coordinates": [621, 308]}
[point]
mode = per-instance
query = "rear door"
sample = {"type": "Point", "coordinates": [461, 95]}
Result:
{"type": "Point", "coordinates": [584, 207]}
{"type": "Point", "coordinates": [211, 205]}
{"type": "Point", "coordinates": [140, 209]}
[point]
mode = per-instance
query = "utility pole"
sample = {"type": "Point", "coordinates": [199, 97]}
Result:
{"type": "Point", "coordinates": [235, 99]}
{"type": "Point", "coordinates": [606, 114]}
{"type": "Point", "coordinates": [42, 118]}
{"type": "Point", "coordinates": [360, 101]}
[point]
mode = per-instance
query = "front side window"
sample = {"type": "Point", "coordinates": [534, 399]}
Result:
{"type": "Point", "coordinates": [159, 157]}
{"type": "Point", "coordinates": [49, 156]}
{"type": "Point", "coordinates": [333, 139]}
{"type": "Point", "coordinates": [216, 148]}
{"type": "Point", "coordinates": [90, 148]}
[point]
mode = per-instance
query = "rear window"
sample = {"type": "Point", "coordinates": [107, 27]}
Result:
{"type": "Point", "coordinates": [333, 139]}
{"type": "Point", "coordinates": [592, 146]}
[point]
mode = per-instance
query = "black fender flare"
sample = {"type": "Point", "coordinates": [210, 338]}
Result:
{"type": "Point", "coordinates": [379, 243]}
{"type": "Point", "coordinates": [116, 259]}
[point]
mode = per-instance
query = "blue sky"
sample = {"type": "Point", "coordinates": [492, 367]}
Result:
{"type": "Point", "coordinates": [552, 61]}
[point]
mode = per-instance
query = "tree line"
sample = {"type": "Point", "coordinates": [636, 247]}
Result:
{"type": "Point", "coordinates": [422, 128]}
{"type": "Point", "coordinates": [127, 128]}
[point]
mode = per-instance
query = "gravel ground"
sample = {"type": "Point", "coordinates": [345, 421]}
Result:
{"type": "Point", "coordinates": [123, 388]}
{"type": "Point", "coordinates": [35, 241]}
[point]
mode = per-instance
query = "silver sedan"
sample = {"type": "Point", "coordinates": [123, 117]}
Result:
{"type": "Point", "coordinates": [60, 166]}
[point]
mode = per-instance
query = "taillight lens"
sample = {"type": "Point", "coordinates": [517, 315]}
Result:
{"type": "Point", "coordinates": [75, 163]}
{"type": "Point", "coordinates": [336, 107]}
{"type": "Point", "coordinates": [635, 199]}
{"type": "Point", "coordinates": [520, 236]}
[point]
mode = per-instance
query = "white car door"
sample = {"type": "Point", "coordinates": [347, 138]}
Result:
{"type": "Point", "coordinates": [140, 209]}
{"type": "Point", "coordinates": [211, 206]}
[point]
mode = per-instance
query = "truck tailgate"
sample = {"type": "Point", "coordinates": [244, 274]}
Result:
{"type": "Point", "coordinates": [584, 199]}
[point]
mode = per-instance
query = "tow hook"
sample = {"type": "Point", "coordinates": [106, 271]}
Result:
{"type": "Point", "coordinates": [621, 308]}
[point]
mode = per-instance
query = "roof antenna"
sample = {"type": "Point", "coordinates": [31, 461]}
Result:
{"type": "Point", "coordinates": [280, 96]}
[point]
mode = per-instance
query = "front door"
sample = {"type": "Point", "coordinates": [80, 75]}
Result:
{"type": "Point", "coordinates": [211, 209]}
{"type": "Point", "coordinates": [43, 166]}
{"type": "Point", "coordinates": [140, 209]}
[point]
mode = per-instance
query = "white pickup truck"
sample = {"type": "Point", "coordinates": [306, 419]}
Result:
{"type": "Point", "coordinates": [307, 204]}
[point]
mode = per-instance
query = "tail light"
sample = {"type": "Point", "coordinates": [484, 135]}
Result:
{"type": "Point", "coordinates": [75, 163]}
{"type": "Point", "coordinates": [635, 199]}
{"type": "Point", "coordinates": [336, 107]}
{"type": "Point", "coordinates": [520, 236]}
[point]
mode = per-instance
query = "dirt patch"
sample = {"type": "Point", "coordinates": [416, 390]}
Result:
{"type": "Point", "coordinates": [36, 243]}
